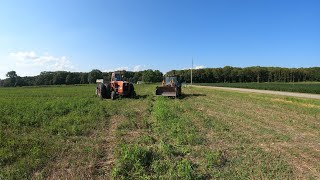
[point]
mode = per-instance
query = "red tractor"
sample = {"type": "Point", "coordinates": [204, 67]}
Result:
{"type": "Point", "coordinates": [116, 87]}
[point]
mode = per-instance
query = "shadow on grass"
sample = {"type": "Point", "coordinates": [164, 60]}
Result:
{"type": "Point", "coordinates": [183, 96]}
{"type": "Point", "coordinates": [140, 96]}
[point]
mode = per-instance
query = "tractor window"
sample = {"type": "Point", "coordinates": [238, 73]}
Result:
{"type": "Point", "coordinates": [118, 77]}
{"type": "Point", "coordinates": [168, 80]}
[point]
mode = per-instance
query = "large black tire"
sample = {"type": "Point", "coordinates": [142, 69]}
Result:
{"type": "Point", "coordinates": [132, 92]}
{"type": "Point", "coordinates": [113, 95]}
{"type": "Point", "coordinates": [103, 91]}
{"type": "Point", "coordinates": [108, 91]}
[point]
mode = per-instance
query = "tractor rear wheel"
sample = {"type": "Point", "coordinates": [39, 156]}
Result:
{"type": "Point", "coordinates": [108, 91]}
{"type": "Point", "coordinates": [132, 92]}
{"type": "Point", "coordinates": [113, 95]}
{"type": "Point", "coordinates": [102, 93]}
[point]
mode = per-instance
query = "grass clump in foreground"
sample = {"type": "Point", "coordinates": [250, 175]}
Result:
{"type": "Point", "coordinates": [133, 161]}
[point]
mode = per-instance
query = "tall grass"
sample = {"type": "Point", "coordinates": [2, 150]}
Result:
{"type": "Point", "coordinates": [35, 124]}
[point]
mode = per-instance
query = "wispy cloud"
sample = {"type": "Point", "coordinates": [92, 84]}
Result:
{"type": "Point", "coordinates": [47, 62]}
{"type": "Point", "coordinates": [197, 67]}
{"type": "Point", "coordinates": [134, 68]}
{"type": "Point", "coordinates": [139, 68]}
{"type": "Point", "coordinates": [30, 63]}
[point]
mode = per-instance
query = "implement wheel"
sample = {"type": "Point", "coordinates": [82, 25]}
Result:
{"type": "Point", "coordinates": [113, 95]}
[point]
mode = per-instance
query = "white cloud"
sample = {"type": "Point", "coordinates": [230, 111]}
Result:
{"type": "Point", "coordinates": [24, 55]}
{"type": "Point", "coordinates": [139, 68]}
{"type": "Point", "coordinates": [29, 63]}
{"type": "Point", "coordinates": [47, 62]}
{"type": "Point", "coordinates": [197, 67]}
{"type": "Point", "coordinates": [117, 69]}
{"type": "Point", "coordinates": [134, 68]}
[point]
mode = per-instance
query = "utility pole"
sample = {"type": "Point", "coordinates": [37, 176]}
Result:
{"type": "Point", "coordinates": [191, 70]}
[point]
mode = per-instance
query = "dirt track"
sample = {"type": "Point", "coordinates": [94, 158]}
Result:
{"type": "Point", "coordinates": [302, 95]}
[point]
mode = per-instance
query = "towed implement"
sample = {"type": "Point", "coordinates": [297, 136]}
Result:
{"type": "Point", "coordinates": [171, 87]}
{"type": "Point", "coordinates": [117, 87]}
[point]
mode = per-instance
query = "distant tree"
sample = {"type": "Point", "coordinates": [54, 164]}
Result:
{"type": "Point", "coordinates": [70, 79]}
{"type": "Point", "coordinates": [137, 76]}
{"type": "Point", "coordinates": [19, 81]}
{"type": "Point", "coordinates": [147, 75]}
{"type": "Point", "coordinates": [208, 75]}
{"type": "Point", "coordinates": [152, 76]}
{"type": "Point", "coordinates": [45, 78]}
{"type": "Point", "coordinates": [158, 76]}
{"type": "Point", "coordinates": [94, 75]}
{"type": "Point", "coordinates": [84, 78]}
{"type": "Point", "coordinates": [12, 75]}
{"type": "Point", "coordinates": [60, 77]}
{"type": "Point", "coordinates": [106, 76]}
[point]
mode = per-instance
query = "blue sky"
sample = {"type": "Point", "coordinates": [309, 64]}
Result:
{"type": "Point", "coordinates": [74, 35]}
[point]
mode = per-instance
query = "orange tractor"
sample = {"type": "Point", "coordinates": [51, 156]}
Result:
{"type": "Point", "coordinates": [116, 87]}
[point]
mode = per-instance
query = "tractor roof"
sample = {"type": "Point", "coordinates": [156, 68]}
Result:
{"type": "Point", "coordinates": [120, 72]}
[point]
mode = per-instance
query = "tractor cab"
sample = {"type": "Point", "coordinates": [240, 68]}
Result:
{"type": "Point", "coordinates": [117, 76]}
{"type": "Point", "coordinates": [171, 81]}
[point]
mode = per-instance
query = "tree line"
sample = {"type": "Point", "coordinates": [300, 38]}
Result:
{"type": "Point", "coordinates": [226, 74]}
{"type": "Point", "coordinates": [258, 74]}
{"type": "Point", "coordinates": [68, 78]}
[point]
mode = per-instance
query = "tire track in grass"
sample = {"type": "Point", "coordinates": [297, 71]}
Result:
{"type": "Point", "coordinates": [174, 147]}
{"type": "Point", "coordinates": [239, 158]}
{"type": "Point", "coordinates": [303, 160]}
{"type": "Point", "coordinates": [124, 113]}
{"type": "Point", "coordinates": [130, 133]}
{"type": "Point", "coordinates": [106, 155]}
{"type": "Point", "coordinates": [307, 161]}
{"type": "Point", "coordinates": [272, 121]}
{"type": "Point", "coordinates": [125, 125]}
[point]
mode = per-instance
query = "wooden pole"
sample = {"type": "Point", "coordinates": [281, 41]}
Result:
{"type": "Point", "coordinates": [191, 70]}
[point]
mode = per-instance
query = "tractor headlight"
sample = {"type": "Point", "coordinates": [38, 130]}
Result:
{"type": "Point", "coordinates": [120, 87]}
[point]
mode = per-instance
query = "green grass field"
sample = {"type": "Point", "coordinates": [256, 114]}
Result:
{"type": "Point", "coordinates": [303, 87]}
{"type": "Point", "coordinates": [66, 132]}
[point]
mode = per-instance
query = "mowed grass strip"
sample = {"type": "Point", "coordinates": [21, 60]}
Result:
{"type": "Point", "coordinates": [171, 147]}
{"type": "Point", "coordinates": [128, 122]}
{"type": "Point", "coordinates": [219, 134]}
{"type": "Point", "coordinates": [286, 131]}
{"type": "Point", "coordinates": [302, 87]}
